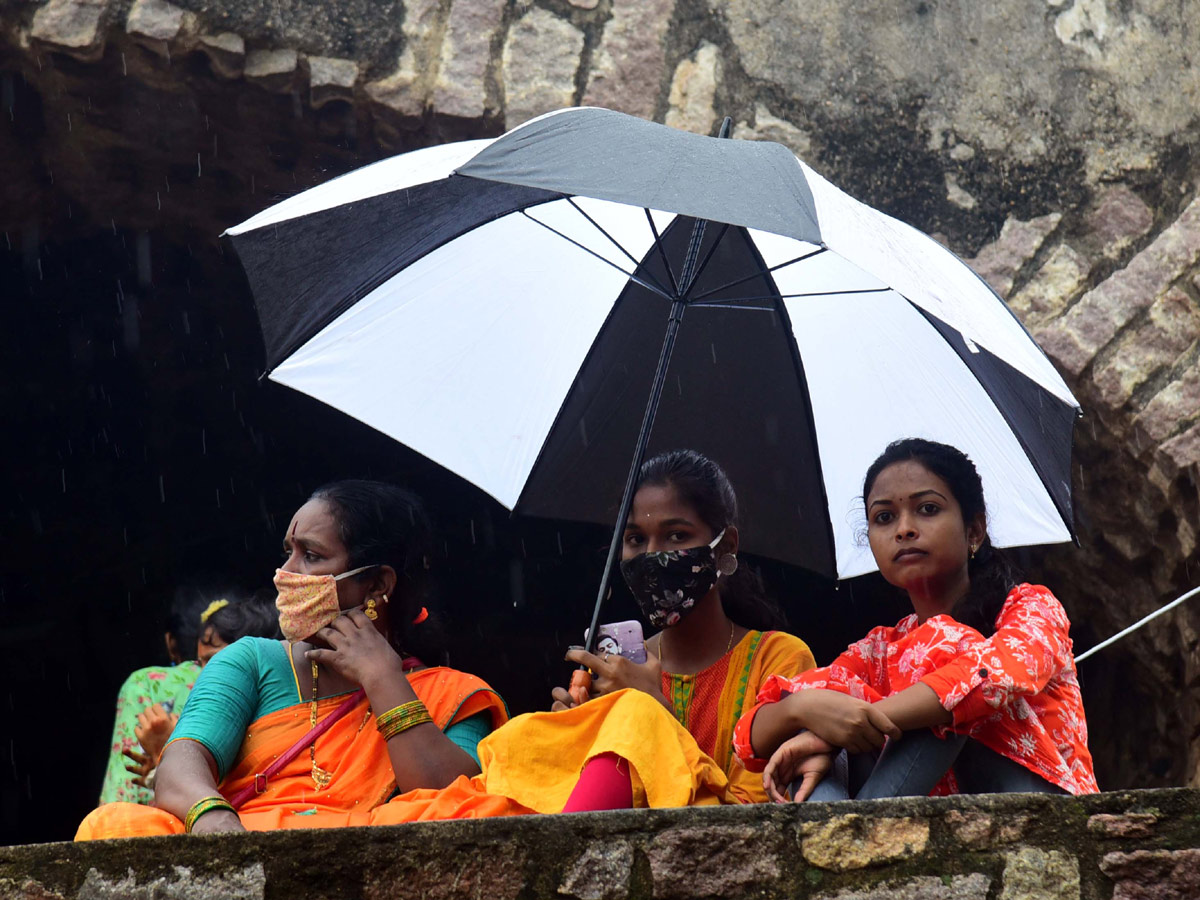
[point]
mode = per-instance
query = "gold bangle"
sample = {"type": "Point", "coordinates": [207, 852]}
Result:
{"type": "Point", "coordinates": [202, 806]}
{"type": "Point", "coordinates": [401, 718]}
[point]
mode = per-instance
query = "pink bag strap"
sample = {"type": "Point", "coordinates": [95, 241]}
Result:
{"type": "Point", "coordinates": [260, 780]}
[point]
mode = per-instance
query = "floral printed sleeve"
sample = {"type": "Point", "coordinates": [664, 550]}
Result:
{"type": "Point", "coordinates": [848, 674]}
{"type": "Point", "coordinates": [1030, 647]}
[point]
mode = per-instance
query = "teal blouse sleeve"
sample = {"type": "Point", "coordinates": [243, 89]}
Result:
{"type": "Point", "coordinates": [469, 732]}
{"type": "Point", "coordinates": [226, 699]}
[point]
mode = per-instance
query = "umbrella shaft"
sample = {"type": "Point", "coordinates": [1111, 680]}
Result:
{"type": "Point", "coordinates": [639, 453]}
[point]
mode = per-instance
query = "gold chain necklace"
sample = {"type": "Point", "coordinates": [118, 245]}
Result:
{"type": "Point", "coordinates": [320, 777]}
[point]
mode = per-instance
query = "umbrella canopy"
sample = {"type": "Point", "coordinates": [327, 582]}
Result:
{"type": "Point", "coordinates": [499, 306]}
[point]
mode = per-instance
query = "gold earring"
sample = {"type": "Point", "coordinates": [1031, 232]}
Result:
{"type": "Point", "coordinates": [974, 550]}
{"type": "Point", "coordinates": [370, 611]}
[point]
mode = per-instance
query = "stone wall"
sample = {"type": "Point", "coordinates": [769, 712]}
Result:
{"type": "Point", "coordinates": [1050, 142]}
{"type": "Point", "coordinates": [1142, 845]}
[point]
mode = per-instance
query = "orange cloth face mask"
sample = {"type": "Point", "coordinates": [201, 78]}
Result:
{"type": "Point", "coordinates": [307, 603]}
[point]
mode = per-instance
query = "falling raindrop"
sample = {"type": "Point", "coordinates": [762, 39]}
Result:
{"type": "Point", "coordinates": [472, 531]}
{"type": "Point", "coordinates": [69, 126]}
{"type": "Point", "coordinates": [124, 68]}
{"type": "Point", "coordinates": [558, 537]}
{"type": "Point", "coordinates": [199, 171]}
{"type": "Point", "coordinates": [64, 480]}
{"type": "Point", "coordinates": [714, 353]}
{"type": "Point", "coordinates": [203, 442]}
{"type": "Point", "coordinates": [162, 491]}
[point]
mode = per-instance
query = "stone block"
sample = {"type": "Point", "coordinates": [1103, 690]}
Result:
{"type": "Point", "coordinates": [274, 70]}
{"type": "Point", "coordinates": [494, 873]}
{"type": "Point", "coordinates": [693, 90]}
{"type": "Point", "coordinates": [406, 90]}
{"type": "Point", "coordinates": [923, 887]}
{"type": "Point", "coordinates": [1119, 218]}
{"type": "Point", "coordinates": [540, 62]}
{"type": "Point", "coordinates": [1182, 452]}
{"type": "Point", "coordinates": [1127, 825]}
{"type": "Point", "coordinates": [1049, 291]}
{"type": "Point", "coordinates": [72, 27]}
{"type": "Point", "coordinates": [771, 128]}
{"type": "Point", "coordinates": [980, 831]}
{"type": "Point", "coordinates": [1074, 339]}
{"type": "Point", "coordinates": [1032, 874]}
{"type": "Point", "coordinates": [460, 89]}
{"type": "Point", "coordinates": [244, 884]}
{"type": "Point", "coordinates": [226, 53]}
{"type": "Point", "coordinates": [999, 262]}
{"type": "Point", "coordinates": [855, 842]}
{"type": "Point", "coordinates": [601, 873]}
{"type": "Point", "coordinates": [1173, 325]}
{"type": "Point", "coordinates": [331, 80]}
{"type": "Point", "coordinates": [689, 863]}
{"type": "Point", "coordinates": [1154, 874]}
{"type": "Point", "coordinates": [630, 61]}
{"type": "Point", "coordinates": [1173, 406]}
{"type": "Point", "coordinates": [584, 4]}
{"type": "Point", "coordinates": [156, 25]}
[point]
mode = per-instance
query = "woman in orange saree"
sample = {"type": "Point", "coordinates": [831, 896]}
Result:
{"type": "Point", "coordinates": [350, 601]}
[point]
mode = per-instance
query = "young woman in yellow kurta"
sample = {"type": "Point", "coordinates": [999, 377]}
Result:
{"type": "Point", "coordinates": [660, 732]}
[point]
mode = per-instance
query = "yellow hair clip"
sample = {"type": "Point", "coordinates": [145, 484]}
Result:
{"type": "Point", "coordinates": [212, 608]}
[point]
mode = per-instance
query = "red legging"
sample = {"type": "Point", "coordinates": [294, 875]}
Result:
{"type": "Point", "coordinates": [604, 783]}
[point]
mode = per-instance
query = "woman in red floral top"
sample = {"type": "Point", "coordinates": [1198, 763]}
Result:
{"type": "Point", "coordinates": [982, 673]}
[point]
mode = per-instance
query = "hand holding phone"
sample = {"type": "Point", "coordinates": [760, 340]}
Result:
{"type": "Point", "coordinates": [620, 639]}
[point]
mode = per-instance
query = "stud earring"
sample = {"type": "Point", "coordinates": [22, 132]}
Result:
{"type": "Point", "coordinates": [727, 564]}
{"type": "Point", "coordinates": [370, 611]}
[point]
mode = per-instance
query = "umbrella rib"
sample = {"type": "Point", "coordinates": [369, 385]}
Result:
{"type": "Point", "coordinates": [759, 274]}
{"type": "Point", "coordinates": [662, 252]}
{"type": "Point", "coordinates": [734, 304]}
{"type": "Point", "coordinates": [636, 279]}
{"type": "Point", "coordinates": [601, 229]}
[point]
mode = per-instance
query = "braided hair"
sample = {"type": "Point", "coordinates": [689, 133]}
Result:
{"type": "Point", "coordinates": [991, 572]}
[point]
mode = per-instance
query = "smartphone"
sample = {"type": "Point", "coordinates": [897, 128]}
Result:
{"type": "Point", "coordinates": [621, 639]}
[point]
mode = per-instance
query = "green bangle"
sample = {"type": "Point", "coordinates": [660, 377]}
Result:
{"type": "Point", "coordinates": [401, 718]}
{"type": "Point", "coordinates": [202, 806]}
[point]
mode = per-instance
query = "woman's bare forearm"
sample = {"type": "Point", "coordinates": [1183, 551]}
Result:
{"type": "Point", "coordinates": [915, 707]}
{"type": "Point", "coordinates": [187, 774]}
{"type": "Point", "coordinates": [775, 723]}
{"type": "Point", "coordinates": [422, 756]}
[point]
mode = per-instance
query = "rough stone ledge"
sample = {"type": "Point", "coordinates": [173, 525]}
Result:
{"type": "Point", "coordinates": [1126, 844]}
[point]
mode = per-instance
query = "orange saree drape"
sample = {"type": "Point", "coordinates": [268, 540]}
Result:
{"type": "Point", "coordinates": [352, 750]}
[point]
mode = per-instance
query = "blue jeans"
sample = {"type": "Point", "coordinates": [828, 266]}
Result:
{"type": "Point", "coordinates": [912, 766]}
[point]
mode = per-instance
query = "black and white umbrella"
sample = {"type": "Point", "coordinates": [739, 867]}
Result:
{"type": "Point", "coordinates": [500, 306]}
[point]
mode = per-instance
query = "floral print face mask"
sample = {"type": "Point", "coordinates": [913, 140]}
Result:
{"type": "Point", "coordinates": [307, 603]}
{"type": "Point", "coordinates": [668, 583]}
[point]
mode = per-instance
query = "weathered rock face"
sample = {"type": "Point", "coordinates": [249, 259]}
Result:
{"type": "Point", "coordinates": [1050, 143]}
{"type": "Point", "coordinates": [1131, 846]}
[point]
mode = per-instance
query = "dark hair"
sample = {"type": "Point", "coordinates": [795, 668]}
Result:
{"type": "Point", "coordinates": [702, 484]}
{"type": "Point", "coordinates": [183, 619]}
{"type": "Point", "coordinates": [991, 572]}
{"type": "Point", "coordinates": [244, 617]}
{"type": "Point", "coordinates": [383, 524]}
